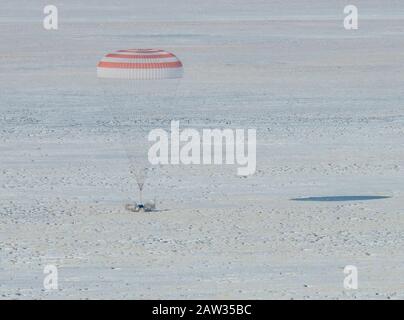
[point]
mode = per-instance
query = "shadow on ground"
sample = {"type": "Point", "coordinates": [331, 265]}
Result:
{"type": "Point", "coordinates": [341, 198]}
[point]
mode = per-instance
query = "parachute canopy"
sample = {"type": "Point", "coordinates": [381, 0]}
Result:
{"type": "Point", "coordinates": [140, 64]}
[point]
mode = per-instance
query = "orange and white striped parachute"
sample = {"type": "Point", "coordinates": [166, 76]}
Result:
{"type": "Point", "coordinates": [140, 64]}
{"type": "Point", "coordinates": [137, 83]}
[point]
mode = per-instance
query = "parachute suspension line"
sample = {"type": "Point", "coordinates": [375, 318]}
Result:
{"type": "Point", "coordinates": [137, 167]}
{"type": "Point", "coordinates": [140, 185]}
{"type": "Point", "coordinates": [118, 126]}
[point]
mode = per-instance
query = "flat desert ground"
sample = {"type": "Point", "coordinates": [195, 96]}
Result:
{"type": "Point", "coordinates": [327, 104]}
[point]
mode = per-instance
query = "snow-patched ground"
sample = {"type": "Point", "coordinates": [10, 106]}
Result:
{"type": "Point", "coordinates": [328, 108]}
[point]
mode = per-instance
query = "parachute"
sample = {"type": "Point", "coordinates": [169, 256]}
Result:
{"type": "Point", "coordinates": [140, 64]}
{"type": "Point", "coordinates": [137, 82]}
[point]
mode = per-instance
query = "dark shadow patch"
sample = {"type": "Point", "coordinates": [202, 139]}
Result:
{"type": "Point", "coordinates": [341, 198]}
